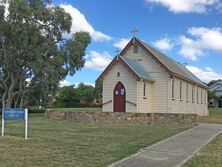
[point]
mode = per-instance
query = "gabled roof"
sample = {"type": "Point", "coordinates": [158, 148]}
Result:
{"type": "Point", "coordinates": [141, 72]}
{"type": "Point", "coordinates": [134, 68]}
{"type": "Point", "coordinates": [172, 67]}
{"type": "Point", "coordinates": [217, 88]}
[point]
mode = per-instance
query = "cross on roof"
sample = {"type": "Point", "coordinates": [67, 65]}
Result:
{"type": "Point", "coordinates": [117, 51]}
{"type": "Point", "coordinates": [134, 31]}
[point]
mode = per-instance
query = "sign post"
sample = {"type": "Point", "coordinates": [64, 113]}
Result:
{"type": "Point", "coordinates": [15, 114]}
{"type": "Point", "coordinates": [3, 124]}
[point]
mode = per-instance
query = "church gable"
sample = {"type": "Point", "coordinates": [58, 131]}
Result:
{"type": "Point", "coordinates": [139, 54]}
{"type": "Point", "coordinates": [138, 50]}
{"type": "Point", "coordinates": [132, 66]}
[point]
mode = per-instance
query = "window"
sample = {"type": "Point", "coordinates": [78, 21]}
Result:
{"type": "Point", "coordinates": [201, 96]}
{"type": "Point", "coordinates": [180, 90]}
{"type": "Point", "coordinates": [135, 49]}
{"type": "Point", "coordinates": [187, 92]}
{"type": "Point", "coordinates": [144, 89]}
{"type": "Point", "coordinates": [197, 96]}
{"type": "Point", "coordinates": [118, 74]}
{"type": "Point", "coordinates": [192, 94]}
{"type": "Point", "coordinates": [173, 88]}
{"type": "Point", "coordinates": [205, 97]}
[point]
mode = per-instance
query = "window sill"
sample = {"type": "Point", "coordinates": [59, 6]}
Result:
{"type": "Point", "coordinates": [173, 98]}
{"type": "Point", "coordinates": [181, 99]}
{"type": "Point", "coordinates": [144, 97]}
{"type": "Point", "coordinates": [187, 101]}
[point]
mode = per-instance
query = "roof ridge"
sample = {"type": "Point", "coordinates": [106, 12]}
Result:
{"type": "Point", "coordinates": [172, 65]}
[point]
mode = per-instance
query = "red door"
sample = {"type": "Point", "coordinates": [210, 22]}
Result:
{"type": "Point", "coordinates": [119, 96]}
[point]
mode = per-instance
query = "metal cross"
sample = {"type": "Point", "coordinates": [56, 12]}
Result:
{"type": "Point", "coordinates": [117, 51]}
{"type": "Point", "coordinates": [134, 31]}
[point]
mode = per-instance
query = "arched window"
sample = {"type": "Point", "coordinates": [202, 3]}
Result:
{"type": "Point", "coordinates": [192, 93]}
{"type": "Point", "coordinates": [197, 96]}
{"type": "Point", "coordinates": [144, 89]}
{"type": "Point", "coordinates": [187, 92]}
{"type": "Point", "coordinates": [135, 49]}
{"type": "Point", "coordinates": [180, 90]}
{"type": "Point", "coordinates": [173, 88]}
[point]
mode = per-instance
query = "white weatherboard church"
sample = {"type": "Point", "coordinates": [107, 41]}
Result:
{"type": "Point", "coordinates": [143, 80]}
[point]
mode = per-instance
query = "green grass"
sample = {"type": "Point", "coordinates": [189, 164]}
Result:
{"type": "Point", "coordinates": [61, 143]}
{"type": "Point", "coordinates": [87, 109]}
{"type": "Point", "coordinates": [215, 116]}
{"type": "Point", "coordinates": [210, 155]}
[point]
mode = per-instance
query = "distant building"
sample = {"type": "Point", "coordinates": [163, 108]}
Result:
{"type": "Point", "coordinates": [143, 80]}
{"type": "Point", "coordinates": [217, 88]}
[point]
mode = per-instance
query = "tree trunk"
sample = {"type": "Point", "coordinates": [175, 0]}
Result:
{"type": "Point", "coordinates": [10, 93]}
{"type": "Point", "coordinates": [3, 100]}
{"type": "Point", "coordinates": [16, 101]}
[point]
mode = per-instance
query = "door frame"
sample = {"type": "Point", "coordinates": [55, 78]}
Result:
{"type": "Point", "coordinates": [119, 82]}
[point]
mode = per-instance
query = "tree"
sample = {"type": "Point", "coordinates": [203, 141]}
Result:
{"type": "Point", "coordinates": [68, 95]}
{"type": "Point", "coordinates": [33, 50]}
{"type": "Point", "coordinates": [86, 93]}
{"type": "Point", "coordinates": [211, 95]}
{"type": "Point", "coordinates": [98, 90]}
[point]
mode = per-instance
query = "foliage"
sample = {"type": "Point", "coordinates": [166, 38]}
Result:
{"type": "Point", "coordinates": [86, 93]}
{"type": "Point", "coordinates": [211, 95]}
{"type": "Point", "coordinates": [34, 55]}
{"type": "Point", "coordinates": [81, 96]}
{"type": "Point", "coordinates": [68, 94]}
{"type": "Point", "coordinates": [98, 90]}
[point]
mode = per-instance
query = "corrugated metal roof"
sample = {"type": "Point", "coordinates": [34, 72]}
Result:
{"type": "Point", "coordinates": [137, 68]}
{"type": "Point", "coordinates": [216, 85]}
{"type": "Point", "coordinates": [217, 88]}
{"type": "Point", "coordinates": [173, 66]}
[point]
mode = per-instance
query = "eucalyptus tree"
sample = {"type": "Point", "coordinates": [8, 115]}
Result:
{"type": "Point", "coordinates": [35, 50]}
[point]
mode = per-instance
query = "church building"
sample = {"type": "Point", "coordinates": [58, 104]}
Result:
{"type": "Point", "coordinates": [143, 80]}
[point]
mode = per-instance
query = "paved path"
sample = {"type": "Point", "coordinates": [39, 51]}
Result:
{"type": "Point", "coordinates": [174, 151]}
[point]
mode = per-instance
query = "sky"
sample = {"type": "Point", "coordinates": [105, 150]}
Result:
{"type": "Point", "coordinates": [189, 31]}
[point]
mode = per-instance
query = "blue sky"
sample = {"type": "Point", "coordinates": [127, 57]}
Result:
{"type": "Point", "coordinates": [189, 31]}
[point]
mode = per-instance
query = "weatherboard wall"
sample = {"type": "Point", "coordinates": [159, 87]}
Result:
{"type": "Point", "coordinates": [183, 104]}
{"type": "Point", "coordinates": [109, 82]}
{"type": "Point", "coordinates": [144, 103]}
{"type": "Point", "coordinates": [159, 93]}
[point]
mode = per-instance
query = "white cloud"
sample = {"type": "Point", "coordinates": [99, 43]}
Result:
{"type": "Point", "coordinates": [80, 23]}
{"type": "Point", "coordinates": [121, 44]}
{"type": "Point", "coordinates": [202, 40]}
{"type": "Point", "coordinates": [207, 74]}
{"type": "Point", "coordinates": [97, 61]}
{"type": "Point", "coordinates": [164, 44]}
{"type": "Point", "coordinates": [64, 83]}
{"type": "Point", "coordinates": [187, 6]}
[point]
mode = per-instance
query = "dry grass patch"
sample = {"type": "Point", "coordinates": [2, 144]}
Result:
{"type": "Point", "coordinates": [61, 143]}
{"type": "Point", "coordinates": [210, 155]}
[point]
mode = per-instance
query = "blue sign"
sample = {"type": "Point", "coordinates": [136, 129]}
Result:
{"type": "Point", "coordinates": [14, 114]}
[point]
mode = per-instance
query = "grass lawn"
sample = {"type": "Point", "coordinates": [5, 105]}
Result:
{"type": "Point", "coordinates": [215, 116]}
{"type": "Point", "coordinates": [210, 155]}
{"type": "Point", "coordinates": [61, 143]}
{"type": "Point", "coordinates": [96, 109]}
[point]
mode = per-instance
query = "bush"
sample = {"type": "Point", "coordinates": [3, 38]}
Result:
{"type": "Point", "coordinates": [36, 110]}
{"type": "Point", "coordinates": [70, 105]}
